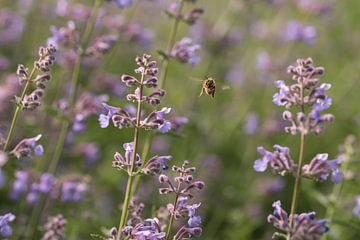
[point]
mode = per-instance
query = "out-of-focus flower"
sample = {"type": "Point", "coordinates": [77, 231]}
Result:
{"type": "Point", "coordinates": [8, 88]}
{"type": "Point", "coordinates": [123, 3]}
{"type": "Point", "coordinates": [295, 31]}
{"type": "Point", "coordinates": [320, 168]}
{"type": "Point", "coordinates": [5, 229]}
{"type": "Point", "coordinates": [90, 151]}
{"type": "Point", "coordinates": [185, 51]}
{"type": "Point", "coordinates": [73, 190]}
{"type": "Point", "coordinates": [11, 27]}
{"type": "Point", "coordinates": [28, 147]}
{"type": "Point", "coordinates": [101, 45]}
{"type": "Point", "coordinates": [20, 185]}
{"type": "Point", "coordinates": [55, 228]}
{"type": "Point", "coordinates": [64, 36]}
{"type": "Point", "coordinates": [356, 210]}
{"type": "Point", "coordinates": [252, 123]}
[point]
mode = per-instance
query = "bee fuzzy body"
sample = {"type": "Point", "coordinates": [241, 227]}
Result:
{"type": "Point", "coordinates": [209, 87]}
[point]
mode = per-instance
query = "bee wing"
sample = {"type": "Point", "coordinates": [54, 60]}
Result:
{"type": "Point", "coordinates": [223, 86]}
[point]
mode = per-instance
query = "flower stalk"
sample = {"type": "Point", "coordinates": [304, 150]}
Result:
{"type": "Point", "coordinates": [74, 85]}
{"type": "Point", "coordinates": [128, 192]}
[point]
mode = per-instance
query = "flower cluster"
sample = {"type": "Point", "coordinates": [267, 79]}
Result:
{"type": "Point", "coordinates": [87, 105]}
{"type": "Point", "coordinates": [305, 92]}
{"type": "Point", "coordinates": [5, 229]}
{"type": "Point", "coordinates": [181, 187]}
{"type": "Point", "coordinates": [55, 228]}
{"type": "Point", "coordinates": [121, 118]}
{"type": "Point", "coordinates": [31, 185]}
{"type": "Point", "coordinates": [69, 189]}
{"type": "Point", "coordinates": [148, 229]}
{"type": "Point", "coordinates": [185, 51]}
{"type": "Point", "coordinates": [279, 160]}
{"type": "Point", "coordinates": [153, 166]}
{"type": "Point", "coordinates": [190, 17]}
{"type": "Point", "coordinates": [304, 226]}
{"type": "Point", "coordinates": [296, 31]}
{"type": "Point", "coordinates": [46, 58]}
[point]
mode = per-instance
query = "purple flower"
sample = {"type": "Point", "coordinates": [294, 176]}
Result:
{"type": "Point", "coordinates": [20, 185]}
{"type": "Point", "coordinates": [28, 147]}
{"type": "Point", "coordinates": [123, 3]}
{"type": "Point", "coordinates": [320, 168]}
{"type": "Point", "coordinates": [104, 120]}
{"type": "Point", "coordinates": [279, 160]}
{"type": "Point", "coordinates": [73, 191]}
{"type": "Point", "coordinates": [2, 178]}
{"type": "Point", "coordinates": [283, 97]}
{"type": "Point", "coordinates": [125, 163]}
{"type": "Point", "coordinates": [44, 185]}
{"type": "Point", "coordinates": [252, 123]}
{"type": "Point", "coordinates": [5, 229]}
{"type": "Point", "coordinates": [356, 210]}
{"type": "Point", "coordinates": [185, 51]}
{"type": "Point", "coordinates": [305, 226]}
{"type": "Point", "coordinates": [156, 164]}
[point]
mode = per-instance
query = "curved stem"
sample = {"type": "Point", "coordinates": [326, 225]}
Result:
{"type": "Point", "coordinates": [128, 192]}
{"type": "Point", "coordinates": [18, 110]}
{"type": "Point", "coordinates": [74, 85]}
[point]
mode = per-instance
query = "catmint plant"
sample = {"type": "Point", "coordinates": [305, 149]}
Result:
{"type": "Point", "coordinates": [120, 118]}
{"type": "Point", "coordinates": [305, 100]}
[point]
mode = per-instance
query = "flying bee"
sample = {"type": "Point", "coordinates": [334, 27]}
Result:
{"type": "Point", "coordinates": [208, 86]}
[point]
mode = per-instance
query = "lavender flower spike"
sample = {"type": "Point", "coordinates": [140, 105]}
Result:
{"type": "Point", "coordinates": [356, 210]}
{"type": "Point", "coordinates": [123, 3]}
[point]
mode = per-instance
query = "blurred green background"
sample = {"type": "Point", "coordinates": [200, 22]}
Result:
{"type": "Point", "coordinates": [242, 47]}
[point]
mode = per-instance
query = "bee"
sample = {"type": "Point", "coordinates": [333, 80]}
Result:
{"type": "Point", "coordinates": [208, 86]}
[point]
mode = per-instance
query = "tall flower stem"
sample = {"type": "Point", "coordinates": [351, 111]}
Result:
{"type": "Point", "coordinates": [171, 42]}
{"type": "Point", "coordinates": [171, 219]}
{"type": "Point", "coordinates": [164, 68]}
{"type": "Point", "coordinates": [172, 215]}
{"type": "Point", "coordinates": [74, 85]}
{"type": "Point", "coordinates": [297, 186]}
{"type": "Point", "coordinates": [128, 192]}
{"type": "Point", "coordinates": [18, 110]}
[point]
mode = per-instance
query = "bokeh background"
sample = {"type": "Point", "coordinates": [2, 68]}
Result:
{"type": "Point", "coordinates": [245, 45]}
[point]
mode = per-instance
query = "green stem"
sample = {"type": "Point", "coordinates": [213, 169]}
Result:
{"type": "Point", "coordinates": [296, 192]}
{"type": "Point", "coordinates": [74, 85]}
{"type": "Point", "coordinates": [335, 196]}
{"type": "Point", "coordinates": [170, 44]}
{"type": "Point", "coordinates": [171, 218]}
{"type": "Point", "coordinates": [164, 67]}
{"type": "Point", "coordinates": [18, 110]}
{"type": "Point", "coordinates": [128, 192]}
